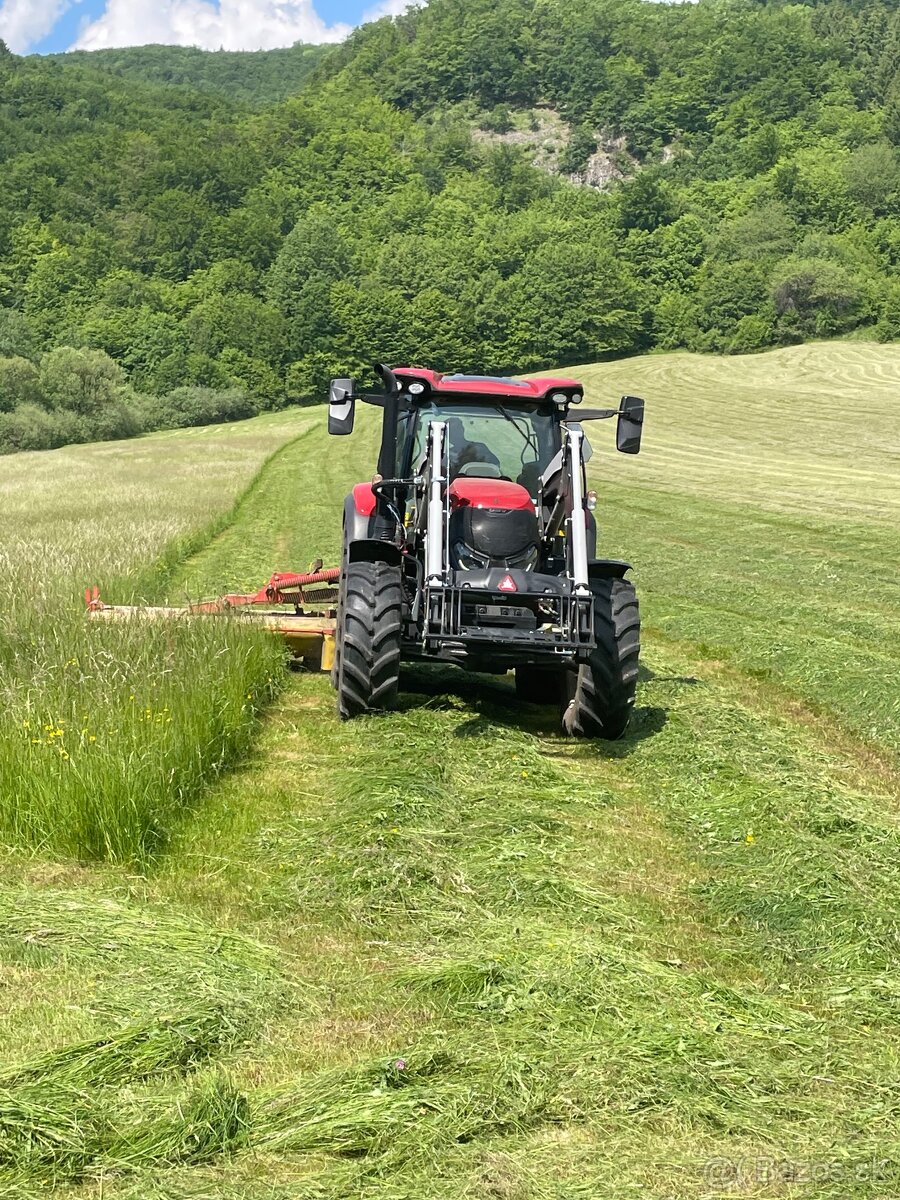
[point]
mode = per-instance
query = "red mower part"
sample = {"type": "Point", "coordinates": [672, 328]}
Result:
{"type": "Point", "coordinates": [282, 588]}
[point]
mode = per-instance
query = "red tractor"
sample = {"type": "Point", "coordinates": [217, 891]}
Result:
{"type": "Point", "coordinates": [475, 544]}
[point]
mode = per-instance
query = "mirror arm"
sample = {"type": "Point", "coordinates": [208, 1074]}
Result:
{"type": "Point", "coordinates": [594, 414]}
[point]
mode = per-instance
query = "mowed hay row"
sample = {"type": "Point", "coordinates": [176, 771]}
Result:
{"type": "Point", "coordinates": [108, 733]}
{"type": "Point", "coordinates": [658, 946]}
{"type": "Point", "coordinates": [174, 995]}
{"type": "Point", "coordinates": [811, 430]}
{"type": "Point", "coordinates": [809, 609]}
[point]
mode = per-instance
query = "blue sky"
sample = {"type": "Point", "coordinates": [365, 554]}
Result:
{"type": "Point", "coordinates": [68, 26]}
{"type": "Point", "coordinates": [45, 26]}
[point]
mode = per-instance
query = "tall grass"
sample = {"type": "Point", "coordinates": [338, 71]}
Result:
{"type": "Point", "coordinates": [109, 732]}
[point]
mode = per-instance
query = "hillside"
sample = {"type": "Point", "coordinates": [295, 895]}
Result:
{"type": "Point", "coordinates": [751, 199]}
{"type": "Point", "coordinates": [254, 78]}
{"type": "Point", "coordinates": [444, 952]}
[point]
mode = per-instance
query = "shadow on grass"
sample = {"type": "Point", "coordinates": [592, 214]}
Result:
{"type": "Point", "coordinates": [646, 675]}
{"type": "Point", "coordinates": [492, 702]}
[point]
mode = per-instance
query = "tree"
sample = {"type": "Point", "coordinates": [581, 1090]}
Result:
{"type": "Point", "coordinates": [891, 116]}
{"type": "Point", "coordinates": [238, 321]}
{"type": "Point", "coordinates": [83, 381]}
{"type": "Point", "coordinates": [16, 335]}
{"type": "Point", "coordinates": [498, 120]}
{"type": "Point", "coordinates": [816, 297]}
{"type": "Point", "coordinates": [579, 148]}
{"type": "Point", "coordinates": [314, 257]}
{"type": "Point", "coordinates": [572, 302]}
{"type": "Point", "coordinates": [645, 202]}
{"type": "Point", "coordinates": [872, 175]}
{"type": "Point", "coordinates": [726, 293]}
{"type": "Point", "coordinates": [20, 383]}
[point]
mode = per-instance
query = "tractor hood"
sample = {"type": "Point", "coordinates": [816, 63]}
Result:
{"type": "Point", "coordinates": [472, 492]}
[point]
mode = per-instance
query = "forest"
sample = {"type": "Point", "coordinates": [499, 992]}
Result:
{"type": "Point", "coordinates": [189, 237]}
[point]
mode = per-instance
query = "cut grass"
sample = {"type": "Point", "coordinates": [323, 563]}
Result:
{"type": "Point", "coordinates": [138, 1095]}
{"type": "Point", "coordinates": [567, 1007]}
{"type": "Point", "coordinates": [809, 431]}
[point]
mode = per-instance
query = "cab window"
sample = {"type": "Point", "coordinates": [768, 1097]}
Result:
{"type": "Point", "coordinates": [513, 442]}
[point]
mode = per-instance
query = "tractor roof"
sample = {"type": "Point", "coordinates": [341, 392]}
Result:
{"type": "Point", "coordinates": [486, 385]}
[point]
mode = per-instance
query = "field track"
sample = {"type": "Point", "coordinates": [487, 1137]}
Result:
{"type": "Point", "coordinates": [465, 957]}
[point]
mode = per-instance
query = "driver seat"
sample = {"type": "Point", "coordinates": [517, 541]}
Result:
{"type": "Point", "coordinates": [481, 470]}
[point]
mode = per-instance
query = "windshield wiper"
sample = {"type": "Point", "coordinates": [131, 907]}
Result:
{"type": "Point", "coordinates": [529, 437]}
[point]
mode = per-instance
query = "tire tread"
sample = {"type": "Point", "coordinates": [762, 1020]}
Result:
{"type": "Point", "coordinates": [369, 633]}
{"type": "Point", "coordinates": [601, 696]}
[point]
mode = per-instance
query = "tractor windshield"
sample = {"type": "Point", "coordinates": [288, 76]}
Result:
{"type": "Point", "coordinates": [511, 441]}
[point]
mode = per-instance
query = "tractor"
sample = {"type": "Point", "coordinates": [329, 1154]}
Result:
{"type": "Point", "coordinates": [475, 544]}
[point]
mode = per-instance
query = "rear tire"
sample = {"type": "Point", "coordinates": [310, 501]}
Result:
{"type": "Point", "coordinates": [599, 696]}
{"type": "Point", "coordinates": [537, 685]}
{"type": "Point", "coordinates": [368, 636]}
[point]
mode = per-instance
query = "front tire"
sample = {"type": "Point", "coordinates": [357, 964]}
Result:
{"type": "Point", "coordinates": [599, 696]}
{"type": "Point", "coordinates": [369, 628]}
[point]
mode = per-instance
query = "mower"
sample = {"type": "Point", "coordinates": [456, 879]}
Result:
{"type": "Point", "coordinates": [300, 609]}
{"type": "Point", "coordinates": [475, 544]}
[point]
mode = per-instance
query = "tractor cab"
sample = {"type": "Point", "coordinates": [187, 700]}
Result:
{"type": "Point", "coordinates": [497, 451]}
{"type": "Point", "coordinates": [478, 533]}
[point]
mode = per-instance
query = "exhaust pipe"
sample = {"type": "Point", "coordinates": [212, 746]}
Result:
{"type": "Point", "coordinates": [385, 525]}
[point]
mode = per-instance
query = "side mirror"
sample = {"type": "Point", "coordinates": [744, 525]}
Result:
{"type": "Point", "coordinates": [630, 427]}
{"type": "Point", "coordinates": [341, 406]}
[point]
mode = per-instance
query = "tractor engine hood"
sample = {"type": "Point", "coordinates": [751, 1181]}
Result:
{"type": "Point", "coordinates": [471, 491]}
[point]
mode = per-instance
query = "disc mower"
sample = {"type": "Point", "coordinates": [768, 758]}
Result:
{"type": "Point", "coordinates": [475, 544]}
{"type": "Point", "coordinates": [300, 609]}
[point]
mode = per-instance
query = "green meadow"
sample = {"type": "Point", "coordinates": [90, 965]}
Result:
{"type": "Point", "coordinates": [248, 951]}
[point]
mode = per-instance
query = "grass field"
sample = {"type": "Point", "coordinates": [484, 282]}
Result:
{"type": "Point", "coordinates": [446, 953]}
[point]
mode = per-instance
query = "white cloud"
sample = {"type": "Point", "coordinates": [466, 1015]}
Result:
{"type": "Point", "coordinates": [390, 8]}
{"type": "Point", "coordinates": [25, 22]}
{"type": "Point", "coordinates": [228, 25]}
